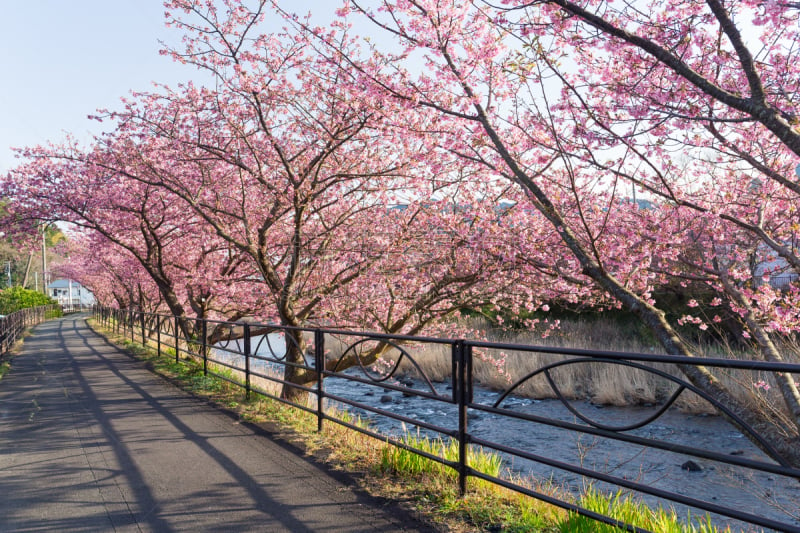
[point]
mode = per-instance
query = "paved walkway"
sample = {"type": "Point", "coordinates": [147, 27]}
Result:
{"type": "Point", "coordinates": [91, 441]}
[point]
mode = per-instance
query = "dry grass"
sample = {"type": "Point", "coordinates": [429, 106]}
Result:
{"type": "Point", "coordinates": [601, 383]}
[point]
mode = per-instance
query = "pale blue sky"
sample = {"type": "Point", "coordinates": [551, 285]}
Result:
{"type": "Point", "coordinates": [62, 59]}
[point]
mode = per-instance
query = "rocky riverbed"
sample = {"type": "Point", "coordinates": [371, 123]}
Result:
{"type": "Point", "coordinates": [761, 494]}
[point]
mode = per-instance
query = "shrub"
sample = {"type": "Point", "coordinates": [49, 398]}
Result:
{"type": "Point", "coordinates": [17, 298]}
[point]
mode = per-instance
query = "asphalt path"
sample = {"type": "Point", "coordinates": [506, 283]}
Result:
{"type": "Point", "coordinates": [92, 441]}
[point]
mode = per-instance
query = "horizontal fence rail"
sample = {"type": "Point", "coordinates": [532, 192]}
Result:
{"type": "Point", "coordinates": [560, 437]}
{"type": "Point", "coordinates": [13, 326]}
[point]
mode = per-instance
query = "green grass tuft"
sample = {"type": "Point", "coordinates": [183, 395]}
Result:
{"type": "Point", "coordinates": [406, 462]}
{"type": "Point", "coordinates": [627, 509]}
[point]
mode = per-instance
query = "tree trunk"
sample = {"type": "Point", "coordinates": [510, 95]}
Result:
{"type": "Point", "coordinates": [295, 355]}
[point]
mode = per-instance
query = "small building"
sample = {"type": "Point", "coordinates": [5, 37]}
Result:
{"type": "Point", "coordinates": [70, 294]}
{"type": "Point", "coordinates": [772, 269]}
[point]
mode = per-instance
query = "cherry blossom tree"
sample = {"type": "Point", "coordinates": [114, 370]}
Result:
{"type": "Point", "coordinates": [582, 103]}
{"type": "Point", "coordinates": [724, 92]}
{"type": "Point", "coordinates": [285, 173]}
{"type": "Point", "coordinates": [491, 154]}
{"type": "Point", "coordinates": [287, 164]}
{"type": "Point", "coordinates": [116, 279]}
{"type": "Point", "coordinates": [91, 189]}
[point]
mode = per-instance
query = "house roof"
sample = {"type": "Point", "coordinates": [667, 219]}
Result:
{"type": "Point", "coordinates": [63, 284]}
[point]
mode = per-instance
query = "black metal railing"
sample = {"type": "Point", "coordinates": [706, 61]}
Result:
{"type": "Point", "coordinates": [780, 281]}
{"type": "Point", "coordinates": [69, 308]}
{"type": "Point", "coordinates": [535, 438]}
{"type": "Point", "coordinates": [13, 326]}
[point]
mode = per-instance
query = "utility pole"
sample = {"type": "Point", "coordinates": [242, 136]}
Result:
{"type": "Point", "coordinates": [44, 258]}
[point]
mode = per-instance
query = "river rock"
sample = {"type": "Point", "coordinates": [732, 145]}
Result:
{"type": "Point", "coordinates": [691, 466]}
{"type": "Point", "coordinates": [386, 398]}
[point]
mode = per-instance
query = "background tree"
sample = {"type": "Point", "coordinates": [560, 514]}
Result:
{"type": "Point", "coordinates": [92, 190]}
{"type": "Point", "coordinates": [21, 249]}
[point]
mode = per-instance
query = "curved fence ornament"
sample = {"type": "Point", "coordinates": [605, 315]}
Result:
{"type": "Point", "coordinates": [224, 332]}
{"type": "Point", "coordinates": [265, 339]}
{"type": "Point", "coordinates": [151, 323]}
{"type": "Point", "coordinates": [377, 378]}
{"type": "Point", "coordinates": [170, 329]}
{"type": "Point", "coordinates": [682, 385]}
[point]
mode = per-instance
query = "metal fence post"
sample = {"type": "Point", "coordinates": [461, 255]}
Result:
{"type": "Point", "coordinates": [177, 342]}
{"type": "Point", "coordinates": [247, 361]}
{"type": "Point", "coordinates": [204, 347]}
{"type": "Point", "coordinates": [319, 365]}
{"type": "Point", "coordinates": [158, 335]}
{"type": "Point", "coordinates": [461, 394]}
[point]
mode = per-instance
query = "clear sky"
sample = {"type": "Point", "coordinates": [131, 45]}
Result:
{"type": "Point", "coordinates": [60, 60]}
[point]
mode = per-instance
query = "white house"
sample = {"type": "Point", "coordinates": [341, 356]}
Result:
{"type": "Point", "coordinates": [70, 293]}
